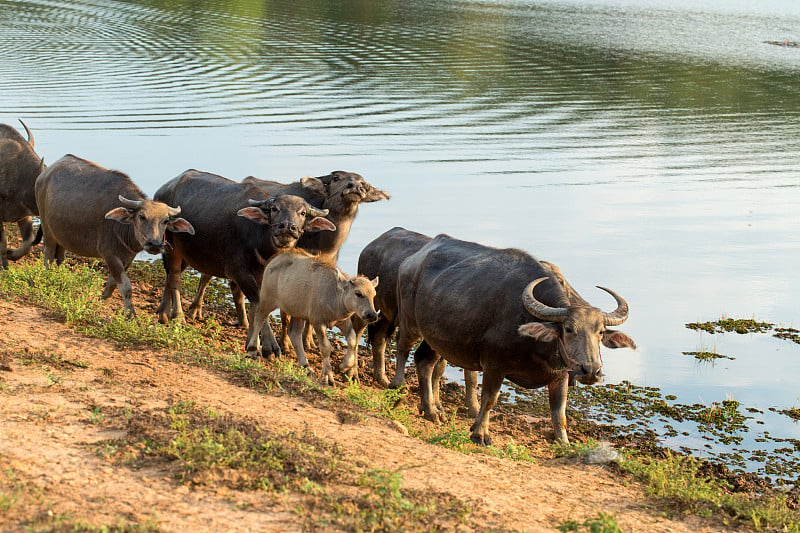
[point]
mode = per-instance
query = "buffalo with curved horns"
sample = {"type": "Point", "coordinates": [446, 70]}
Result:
{"type": "Point", "coordinates": [96, 212]}
{"type": "Point", "coordinates": [506, 314]}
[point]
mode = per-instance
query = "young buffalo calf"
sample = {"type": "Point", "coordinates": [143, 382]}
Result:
{"type": "Point", "coordinates": [310, 289]}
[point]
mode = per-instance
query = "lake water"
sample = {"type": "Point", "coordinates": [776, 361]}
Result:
{"type": "Point", "coordinates": [649, 149]}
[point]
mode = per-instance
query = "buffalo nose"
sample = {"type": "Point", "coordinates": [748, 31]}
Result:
{"type": "Point", "coordinates": [152, 245]}
{"type": "Point", "coordinates": [371, 316]}
{"type": "Point", "coordinates": [290, 226]}
{"type": "Point", "coordinates": [590, 370]}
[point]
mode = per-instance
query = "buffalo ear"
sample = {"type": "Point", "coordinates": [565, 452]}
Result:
{"type": "Point", "coordinates": [541, 331]}
{"type": "Point", "coordinates": [180, 225]}
{"type": "Point", "coordinates": [616, 339]}
{"type": "Point", "coordinates": [319, 224]}
{"type": "Point", "coordinates": [120, 214]}
{"type": "Point", "coordinates": [254, 213]}
{"type": "Point", "coordinates": [374, 281]}
{"type": "Point", "coordinates": [374, 195]}
{"type": "Point", "coordinates": [313, 184]}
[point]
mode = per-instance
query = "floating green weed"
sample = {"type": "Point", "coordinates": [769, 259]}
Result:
{"type": "Point", "coordinates": [728, 325]}
{"type": "Point", "coordinates": [743, 326]}
{"type": "Point", "coordinates": [793, 413]}
{"type": "Point", "coordinates": [707, 356]}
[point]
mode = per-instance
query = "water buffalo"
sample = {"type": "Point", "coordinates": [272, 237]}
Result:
{"type": "Point", "coordinates": [473, 305]}
{"type": "Point", "coordinates": [19, 167]}
{"type": "Point", "coordinates": [340, 193]}
{"type": "Point", "coordinates": [310, 289]}
{"type": "Point", "coordinates": [96, 212]}
{"type": "Point", "coordinates": [382, 258]}
{"type": "Point", "coordinates": [238, 227]}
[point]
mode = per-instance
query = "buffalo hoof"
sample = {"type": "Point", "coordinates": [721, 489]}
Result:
{"type": "Point", "coordinates": [436, 416]}
{"type": "Point", "coordinates": [381, 379]}
{"type": "Point", "coordinates": [327, 380]}
{"type": "Point", "coordinates": [238, 324]}
{"type": "Point", "coordinates": [194, 313]}
{"type": "Point", "coordinates": [481, 440]}
{"type": "Point", "coordinates": [397, 383]}
{"type": "Point", "coordinates": [350, 373]}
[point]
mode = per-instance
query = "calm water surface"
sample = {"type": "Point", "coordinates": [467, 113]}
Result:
{"type": "Point", "coordinates": [648, 149]}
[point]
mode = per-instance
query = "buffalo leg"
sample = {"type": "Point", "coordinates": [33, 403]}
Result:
{"type": "Point", "coordinates": [350, 361]}
{"type": "Point", "coordinates": [378, 335]}
{"type": "Point", "coordinates": [170, 306]}
{"type": "Point", "coordinates": [50, 246]}
{"type": "Point", "coordinates": [109, 287]}
{"type": "Point", "coordinates": [557, 395]}
{"type": "Point", "coordinates": [117, 271]}
{"type": "Point", "coordinates": [238, 304]}
{"type": "Point", "coordinates": [471, 392]}
{"type": "Point", "coordinates": [436, 383]}
{"type": "Point", "coordinates": [295, 333]}
{"type": "Point", "coordinates": [308, 337]}
{"type": "Point", "coordinates": [285, 324]}
{"type": "Point", "coordinates": [195, 310]}
{"type": "Point", "coordinates": [260, 338]}
{"type": "Point", "coordinates": [25, 226]}
{"type": "Point", "coordinates": [492, 380]}
{"type": "Point", "coordinates": [405, 340]}
{"type": "Point", "coordinates": [325, 347]}
{"type": "Point", "coordinates": [399, 379]}
{"type": "Point", "coordinates": [3, 247]}
{"type": "Point", "coordinates": [426, 361]}
{"type": "Point", "coordinates": [349, 364]}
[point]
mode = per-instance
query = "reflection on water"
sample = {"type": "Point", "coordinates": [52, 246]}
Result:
{"type": "Point", "coordinates": [652, 150]}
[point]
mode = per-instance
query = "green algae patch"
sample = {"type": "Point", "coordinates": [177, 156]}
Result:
{"type": "Point", "coordinates": [732, 325]}
{"type": "Point", "coordinates": [707, 356]}
{"type": "Point", "coordinates": [743, 326]}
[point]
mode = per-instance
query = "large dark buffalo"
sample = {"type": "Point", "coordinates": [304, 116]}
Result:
{"type": "Point", "coordinates": [340, 193]}
{"type": "Point", "coordinates": [504, 313]}
{"type": "Point", "coordinates": [19, 167]}
{"type": "Point", "coordinates": [381, 258]}
{"type": "Point", "coordinates": [96, 212]}
{"type": "Point", "coordinates": [238, 227]}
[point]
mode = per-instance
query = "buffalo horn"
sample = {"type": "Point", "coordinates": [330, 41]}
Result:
{"type": "Point", "coordinates": [620, 314]}
{"type": "Point", "coordinates": [30, 135]}
{"type": "Point", "coordinates": [174, 211]}
{"type": "Point", "coordinates": [314, 212]}
{"type": "Point", "coordinates": [537, 308]}
{"type": "Point", "coordinates": [260, 203]}
{"type": "Point", "coordinates": [133, 204]}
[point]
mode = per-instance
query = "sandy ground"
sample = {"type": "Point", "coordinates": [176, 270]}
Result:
{"type": "Point", "coordinates": [47, 470]}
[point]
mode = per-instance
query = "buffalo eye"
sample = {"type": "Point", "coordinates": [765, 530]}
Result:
{"type": "Point", "coordinates": [302, 213]}
{"type": "Point", "coordinates": [568, 329]}
{"type": "Point", "coordinates": [358, 293]}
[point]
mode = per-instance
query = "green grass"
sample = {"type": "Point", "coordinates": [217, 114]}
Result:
{"type": "Point", "coordinates": [207, 448]}
{"type": "Point", "coordinates": [677, 479]}
{"type": "Point", "coordinates": [604, 523]}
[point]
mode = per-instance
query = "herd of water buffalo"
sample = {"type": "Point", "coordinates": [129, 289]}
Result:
{"type": "Point", "coordinates": [496, 311]}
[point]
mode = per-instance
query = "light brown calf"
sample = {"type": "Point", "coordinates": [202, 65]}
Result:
{"type": "Point", "coordinates": [310, 289]}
